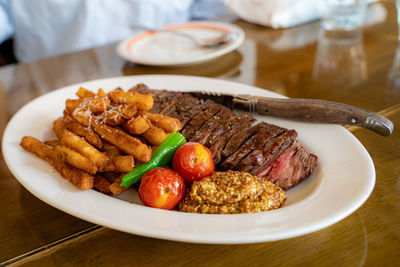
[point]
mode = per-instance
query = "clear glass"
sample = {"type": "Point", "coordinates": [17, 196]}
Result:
{"type": "Point", "coordinates": [342, 14]}
{"type": "Point", "coordinates": [340, 58]}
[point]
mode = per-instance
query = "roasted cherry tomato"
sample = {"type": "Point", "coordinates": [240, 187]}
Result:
{"type": "Point", "coordinates": [161, 188]}
{"type": "Point", "coordinates": [193, 161]}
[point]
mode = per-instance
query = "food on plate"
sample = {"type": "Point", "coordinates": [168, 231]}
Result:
{"type": "Point", "coordinates": [92, 149]}
{"type": "Point", "coordinates": [101, 184]}
{"type": "Point", "coordinates": [94, 104]}
{"type": "Point", "coordinates": [161, 188]}
{"type": "Point", "coordinates": [137, 125]}
{"type": "Point", "coordinates": [232, 192]}
{"type": "Point", "coordinates": [116, 187]}
{"type": "Point", "coordinates": [78, 144]}
{"type": "Point", "coordinates": [193, 161]}
{"type": "Point", "coordinates": [142, 101]}
{"type": "Point", "coordinates": [161, 157]}
{"type": "Point", "coordinates": [125, 142]}
{"type": "Point", "coordinates": [237, 142]}
{"type": "Point", "coordinates": [77, 128]}
{"type": "Point", "coordinates": [166, 123]}
{"type": "Point", "coordinates": [75, 159]}
{"type": "Point", "coordinates": [155, 135]}
{"type": "Point", "coordinates": [120, 164]}
{"type": "Point", "coordinates": [111, 141]}
{"type": "Point", "coordinates": [77, 177]}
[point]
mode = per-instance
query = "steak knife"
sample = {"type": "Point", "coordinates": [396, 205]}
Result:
{"type": "Point", "coordinates": [309, 110]}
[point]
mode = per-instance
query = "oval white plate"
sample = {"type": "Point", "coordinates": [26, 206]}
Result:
{"type": "Point", "coordinates": [342, 182]}
{"type": "Point", "coordinates": [168, 49]}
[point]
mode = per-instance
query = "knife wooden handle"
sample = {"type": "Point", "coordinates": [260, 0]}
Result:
{"type": "Point", "coordinates": [321, 111]}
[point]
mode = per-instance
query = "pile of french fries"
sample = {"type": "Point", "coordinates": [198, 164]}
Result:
{"type": "Point", "coordinates": [100, 137]}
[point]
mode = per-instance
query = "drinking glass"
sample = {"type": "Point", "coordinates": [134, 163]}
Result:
{"type": "Point", "coordinates": [342, 15]}
{"type": "Point", "coordinates": [340, 58]}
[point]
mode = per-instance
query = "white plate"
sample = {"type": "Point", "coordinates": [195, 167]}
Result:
{"type": "Point", "coordinates": [342, 182]}
{"type": "Point", "coordinates": [165, 48]}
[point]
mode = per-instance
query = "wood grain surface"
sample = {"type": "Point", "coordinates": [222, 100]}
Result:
{"type": "Point", "coordinates": [362, 70]}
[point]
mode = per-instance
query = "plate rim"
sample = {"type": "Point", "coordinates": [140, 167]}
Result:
{"type": "Point", "coordinates": [184, 238]}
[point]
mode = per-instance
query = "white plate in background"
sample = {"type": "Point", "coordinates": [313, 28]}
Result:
{"type": "Point", "coordinates": [164, 48]}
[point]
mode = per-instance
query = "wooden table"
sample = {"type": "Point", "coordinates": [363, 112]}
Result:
{"type": "Point", "coordinates": [299, 62]}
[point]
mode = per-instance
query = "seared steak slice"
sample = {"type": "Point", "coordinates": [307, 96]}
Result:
{"type": "Point", "coordinates": [291, 167]}
{"type": "Point", "coordinates": [256, 142]}
{"type": "Point", "coordinates": [272, 149]}
{"type": "Point", "coordinates": [256, 157]}
{"type": "Point", "coordinates": [211, 125]}
{"type": "Point", "coordinates": [216, 148]}
{"type": "Point", "coordinates": [161, 100]}
{"type": "Point", "coordinates": [238, 139]}
{"type": "Point", "coordinates": [227, 125]}
{"type": "Point", "coordinates": [185, 102]}
{"type": "Point", "coordinates": [209, 110]}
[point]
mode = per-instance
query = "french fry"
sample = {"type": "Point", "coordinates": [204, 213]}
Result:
{"type": "Point", "coordinates": [90, 136]}
{"type": "Point", "coordinates": [77, 177]}
{"type": "Point", "coordinates": [127, 111]}
{"type": "Point", "coordinates": [141, 101]}
{"type": "Point", "coordinates": [41, 150]}
{"type": "Point", "coordinates": [121, 140]}
{"type": "Point", "coordinates": [155, 135]}
{"type": "Point", "coordinates": [109, 168]}
{"type": "Point", "coordinates": [120, 164]}
{"type": "Point", "coordinates": [94, 104]}
{"type": "Point", "coordinates": [136, 125]}
{"type": "Point", "coordinates": [72, 104]}
{"type": "Point", "coordinates": [52, 143]}
{"type": "Point", "coordinates": [111, 176]}
{"type": "Point", "coordinates": [58, 127]}
{"type": "Point", "coordinates": [83, 93]}
{"type": "Point", "coordinates": [166, 123]}
{"type": "Point", "coordinates": [112, 117]}
{"type": "Point", "coordinates": [101, 93]}
{"type": "Point", "coordinates": [75, 142]}
{"type": "Point", "coordinates": [123, 163]}
{"type": "Point", "coordinates": [110, 150]}
{"type": "Point", "coordinates": [75, 159]}
{"type": "Point", "coordinates": [116, 188]}
{"type": "Point", "coordinates": [101, 184]}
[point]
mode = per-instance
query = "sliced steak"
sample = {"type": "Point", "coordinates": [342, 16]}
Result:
{"type": "Point", "coordinates": [264, 132]}
{"type": "Point", "coordinates": [212, 124]}
{"type": "Point", "coordinates": [272, 149]}
{"type": "Point", "coordinates": [185, 102]}
{"type": "Point", "coordinates": [256, 157]}
{"type": "Point", "coordinates": [291, 167]}
{"type": "Point", "coordinates": [225, 126]}
{"type": "Point", "coordinates": [210, 108]}
{"type": "Point", "coordinates": [219, 144]}
{"type": "Point", "coordinates": [239, 138]}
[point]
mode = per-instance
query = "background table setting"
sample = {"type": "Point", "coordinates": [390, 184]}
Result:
{"type": "Point", "coordinates": [297, 58]}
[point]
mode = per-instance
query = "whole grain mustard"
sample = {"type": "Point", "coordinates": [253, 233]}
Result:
{"type": "Point", "coordinates": [232, 192]}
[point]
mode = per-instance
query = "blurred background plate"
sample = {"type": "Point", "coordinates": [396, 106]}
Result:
{"type": "Point", "coordinates": [165, 48]}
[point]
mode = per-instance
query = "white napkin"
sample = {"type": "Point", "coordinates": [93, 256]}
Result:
{"type": "Point", "coordinates": [275, 13]}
